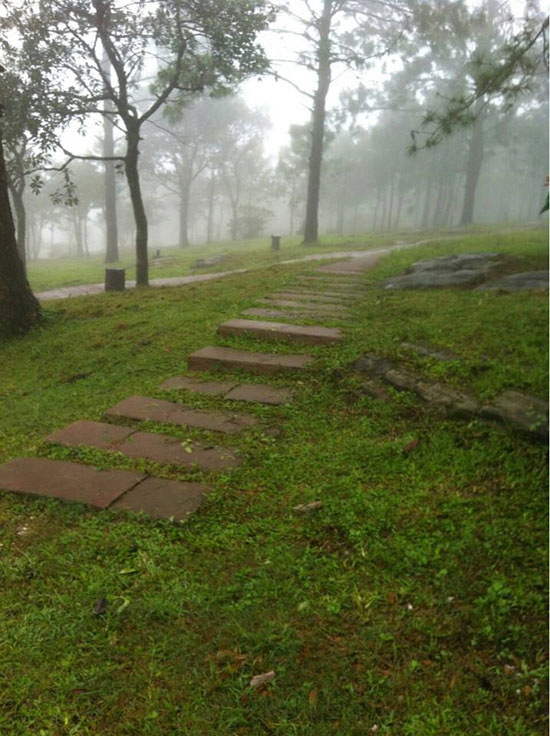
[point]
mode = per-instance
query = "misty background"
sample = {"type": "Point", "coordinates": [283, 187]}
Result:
{"type": "Point", "coordinates": [236, 167]}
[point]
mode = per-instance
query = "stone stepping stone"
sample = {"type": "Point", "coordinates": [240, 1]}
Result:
{"type": "Point", "coordinates": [308, 297]}
{"type": "Point", "coordinates": [213, 357]}
{"type": "Point", "coordinates": [305, 305]}
{"type": "Point", "coordinates": [356, 265]}
{"type": "Point", "coordinates": [332, 295]}
{"type": "Point", "coordinates": [530, 281]}
{"type": "Point", "coordinates": [156, 447]}
{"type": "Point", "coordinates": [289, 314]}
{"type": "Point", "coordinates": [212, 388]}
{"type": "Point", "coordinates": [114, 489]}
{"type": "Point", "coordinates": [258, 393]}
{"type": "Point", "coordinates": [163, 499]}
{"type": "Point", "coordinates": [144, 408]}
{"type": "Point", "coordinates": [281, 331]}
{"type": "Point", "coordinates": [329, 280]}
{"type": "Point", "coordinates": [66, 480]}
{"type": "Point", "coordinates": [526, 413]}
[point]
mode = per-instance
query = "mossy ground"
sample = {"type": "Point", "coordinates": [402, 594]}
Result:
{"type": "Point", "coordinates": [414, 600]}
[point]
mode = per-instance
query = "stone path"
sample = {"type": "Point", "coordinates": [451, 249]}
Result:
{"type": "Point", "coordinates": [254, 392]}
{"type": "Point", "coordinates": [125, 490]}
{"type": "Point", "coordinates": [211, 358]}
{"type": "Point", "coordinates": [156, 447]}
{"type": "Point", "coordinates": [324, 295]}
{"type": "Point", "coordinates": [145, 409]}
{"type": "Point", "coordinates": [282, 331]}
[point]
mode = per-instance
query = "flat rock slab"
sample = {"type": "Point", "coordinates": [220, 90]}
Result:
{"type": "Point", "coordinates": [260, 394]}
{"type": "Point", "coordinates": [213, 388]}
{"type": "Point", "coordinates": [253, 392]}
{"type": "Point", "coordinates": [304, 306]}
{"type": "Point", "coordinates": [163, 499]}
{"type": "Point", "coordinates": [330, 280]}
{"type": "Point", "coordinates": [432, 280]}
{"type": "Point", "coordinates": [435, 273]}
{"type": "Point", "coordinates": [527, 413]}
{"type": "Point", "coordinates": [307, 294]}
{"type": "Point", "coordinates": [144, 408]}
{"type": "Point", "coordinates": [280, 331]}
{"type": "Point", "coordinates": [148, 445]}
{"type": "Point", "coordinates": [230, 359]}
{"type": "Point", "coordinates": [528, 281]}
{"type": "Point", "coordinates": [66, 480]}
{"type": "Point", "coordinates": [356, 265]}
{"type": "Point", "coordinates": [308, 297]}
{"type": "Point", "coordinates": [291, 314]}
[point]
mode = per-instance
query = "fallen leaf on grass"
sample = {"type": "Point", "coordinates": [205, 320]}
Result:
{"type": "Point", "coordinates": [259, 680]}
{"type": "Point", "coordinates": [313, 698]}
{"type": "Point", "coordinates": [413, 444]}
{"type": "Point", "coordinates": [100, 606]}
{"type": "Point", "coordinates": [306, 508]}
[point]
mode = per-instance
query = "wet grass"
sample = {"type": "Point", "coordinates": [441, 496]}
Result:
{"type": "Point", "coordinates": [412, 602]}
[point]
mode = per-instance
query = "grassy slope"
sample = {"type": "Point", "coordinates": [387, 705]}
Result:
{"type": "Point", "coordinates": [402, 603]}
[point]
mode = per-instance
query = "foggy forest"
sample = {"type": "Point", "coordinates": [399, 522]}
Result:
{"type": "Point", "coordinates": [212, 167]}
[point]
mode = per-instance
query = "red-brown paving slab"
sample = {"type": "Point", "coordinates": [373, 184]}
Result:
{"type": "Point", "coordinates": [280, 331]}
{"type": "Point", "coordinates": [163, 449]}
{"type": "Point", "coordinates": [260, 394]}
{"type": "Point", "coordinates": [214, 388]}
{"type": "Point", "coordinates": [305, 296]}
{"type": "Point", "coordinates": [355, 265]}
{"type": "Point", "coordinates": [302, 293]}
{"type": "Point", "coordinates": [66, 480]}
{"type": "Point", "coordinates": [163, 499]}
{"type": "Point", "coordinates": [214, 357]}
{"type": "Point", "coordinates": [289, 314]}
{"type": "Point", "coordinates": [144, 408]}
{"type": "Point", "coordinates": [93, 434]}
{"type": "Point", "coordinates": [330, 280]}
{"type": "Point", "coordinates": [305, 305]}
{"type": "Point", "coordinates": [148, 445]}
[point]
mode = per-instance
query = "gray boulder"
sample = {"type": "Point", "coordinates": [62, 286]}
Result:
{"type": "Point", "coordinates": [528, 281]}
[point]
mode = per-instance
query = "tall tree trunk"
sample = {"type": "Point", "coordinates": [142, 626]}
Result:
{"type": "Point", "coordinates": [390, 207]}
{"type": "Point", "coordinates": [384, 206]}
{"type": "Point", "coordinates": [109, 174]}
{"type": "Point", "coordinates": [341, 218]}
{"type": "Point", "coordinates": [439, 204]}
{"type": "Point", "coordinates": [19, 308]}
{"type": "Point", "coordinates": [376, 208]}
{"type": "Point", "coordinates": [473, 167]}
{"type": "Point", "coordinates": [185, 193]}
{"type": "Point", "coordinates": [426, 212]}
{"type": "Point", "coordinates": [210, 218]}
{"type": "Point", "coordinates": [21, 223]}
{"type": "Point", "coordinates": [311, 229]}
{"type": "Point", "coordinates": [398, 209]}
{"type": "Point", "coordinates": [140, 218]}
{"type": "Point", "coordinates": [78, 235]}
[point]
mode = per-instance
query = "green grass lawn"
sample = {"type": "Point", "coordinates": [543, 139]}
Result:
{"type": "Point", "coordinates": [412, 603]}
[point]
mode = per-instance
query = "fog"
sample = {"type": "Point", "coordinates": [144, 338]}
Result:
{"type": "Point", "coordinates": [236, 167]}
